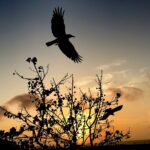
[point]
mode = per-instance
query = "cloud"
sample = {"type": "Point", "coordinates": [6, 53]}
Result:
{"type": "Point", "coordinates": [132, 93]}
{"type": "Point", "coordinates": [85, 81]}
{"type": "Point", "coordinates": [132, 85]}
{"type": "Point", "coordinates": [127, 93]}
{"type": "Point", "coordinates": [24, 100]}
{"type": "Point", "coordinates": [19, 101]}
{"type": "Point", "coordinates": [114, 64]}
{"type": "Point", "coordinates": [1, 113]}
{"type": "Point", "coordinates": [141, 79]}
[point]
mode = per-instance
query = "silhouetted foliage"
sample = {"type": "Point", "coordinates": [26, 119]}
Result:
{"type": "Point", "coordinates": [62, 119]}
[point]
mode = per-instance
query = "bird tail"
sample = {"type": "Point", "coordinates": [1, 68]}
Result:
{"type": "Point", "coordinates": [51, 43]}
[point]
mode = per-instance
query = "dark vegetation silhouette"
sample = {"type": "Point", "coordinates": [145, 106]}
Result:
{"type": "Point", "coordinates": [62, 39]}
{"type": "Point", "coordinates": [63, 120]}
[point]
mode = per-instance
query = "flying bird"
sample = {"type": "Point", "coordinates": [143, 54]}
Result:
{"type": "Point", "coordinates": [62, 39]}
{"type": "Point", "coordinates": [111, 111]}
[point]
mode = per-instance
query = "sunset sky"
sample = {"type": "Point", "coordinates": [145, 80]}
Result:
{"type": "Point", "coordinates": [112, 35]}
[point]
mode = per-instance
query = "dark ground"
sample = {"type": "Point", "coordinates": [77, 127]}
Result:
{"type": "Point", "coordinates": [11, 146]}
{"type": "Point", "coordinates": [5, 145]}
{"type": "Point", "coordinates": [123, 147]}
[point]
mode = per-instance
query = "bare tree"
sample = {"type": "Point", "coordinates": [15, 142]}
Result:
{"type": "Point", "coordinates": [63, 120]}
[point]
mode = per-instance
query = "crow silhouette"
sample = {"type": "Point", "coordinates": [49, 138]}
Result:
{"type": "Point", "coordinates": [111, 111]}
{"type": "Point", "coordinates": [62, 39]}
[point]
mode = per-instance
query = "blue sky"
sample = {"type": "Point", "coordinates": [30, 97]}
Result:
{"type": "Point", "coordinates": [113, 35]}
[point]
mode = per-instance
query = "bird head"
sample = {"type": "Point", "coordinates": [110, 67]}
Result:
{"type": "Point", "coordinates": [70, 35]}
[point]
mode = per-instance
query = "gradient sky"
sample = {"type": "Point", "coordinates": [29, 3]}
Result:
{"type": "Point", "coordinates": [113, 35]}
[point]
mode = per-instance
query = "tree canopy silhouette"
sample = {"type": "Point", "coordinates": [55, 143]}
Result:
{"type": "Point", "coordinates": [62, 39]}
{"type": "Point", "coordinates": [71, 119]}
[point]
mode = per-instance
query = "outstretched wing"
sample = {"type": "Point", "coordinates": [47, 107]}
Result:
{"type": "Point", "coordinates": [117, 108]}
{"type": "Point", "coordinates": [105, 116]}
{"type": "Point", "coordinates": [57, 22]}
{"type": "Point", "coordinates": [68, 49]}
{"type": "Point", "coordinates": [110, 111]}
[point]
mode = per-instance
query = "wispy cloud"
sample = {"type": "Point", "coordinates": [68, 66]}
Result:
{"type": "Point", "coordinates": [1, 113]}
{"type": "Point", "coordinates": [111, 65]}
{"type": "Point", "coordinates": [24, 100]}
{"type": "Point", "coordinates": [127, 93]}
{"type": "Point", "coordinates": [85, 81]}
{"type": "Point", "coordinates": [132, 85]}
{"type": "Point", "coordinates": [18, 102]}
